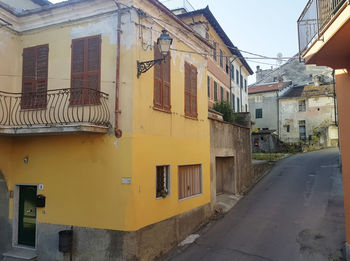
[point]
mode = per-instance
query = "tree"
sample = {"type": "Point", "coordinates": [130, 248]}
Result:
{"type": "Point", "coordinates": [224, 107]}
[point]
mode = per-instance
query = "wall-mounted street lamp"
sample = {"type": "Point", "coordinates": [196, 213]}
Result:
{"type": "Point", "coordinates": [163, 42]}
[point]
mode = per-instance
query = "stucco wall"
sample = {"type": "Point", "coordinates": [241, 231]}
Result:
{"type": "Point", "coordinates": [228, 140]}
{"type": "Point", "coordinates": [319, 113]}
{"type": "Point", "coordinates": [269, 106]}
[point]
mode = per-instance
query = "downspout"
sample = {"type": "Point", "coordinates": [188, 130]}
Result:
{"type": "Point", "coordinates": [334, 100]}
{"type": "Point", "coordinates": [118, 132]}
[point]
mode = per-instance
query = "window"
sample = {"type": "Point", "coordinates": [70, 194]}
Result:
{"type": "Point", "coordinates": [287, 128]}
{"type": "Point", "coordinates": [221, 59]}
{"type": "Point", "coordinates": [275, 79]}
{"type": "Point", "coordinates": [227, 97]}
{"type": "Point", "coordinates": [258, 98]}
{"type": "Point", "coordinates": [302, 130]}
{"type": "Point", "coordinates": [237, 76]}
{"type": "Point", "coordinates": [245, 85]}
{"type": "Point", "coordinates": [258, 113]}
{"type": "Point", "coordinates": [190, 90]}
{"type": "Point", "coordinates": [302, 105]}
{"type": "Point", "coordinates": [232, 72]}
{"type": "Point", "coordinates": [214, 52]}
{"type": "Point", "coordinates": [246, 108]}
{"type": "Point", "coordinates": [85, 79]}
{"type": "Point", "coordinates": [221, 93]}
{"type": "Point", "coordinates": [162, 179]}
{"type": "Point", "coordinates": [233, 102]}
{"type": "Point", "coordinates": [34, 77]}
{"type": "Point", "coordinates": [241, 81]}
{"type": "Point", "coordinates": [190, 181]}
{"type": "Point", "coordinates": [215, 91]}
{"type": "Point", "coordinates": [161, 96]}
{"type": "Point", "coordinates": [207, 35]}
{"type": "Point", "coordinates": [208, 86]}
{"type": "Point", "coordinates": [238, 105]}
{"type": "Point", "coordinates": [227, 65]}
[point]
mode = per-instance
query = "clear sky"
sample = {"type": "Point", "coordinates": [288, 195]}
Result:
{"type": "Point", "coordinates": [265, 27]}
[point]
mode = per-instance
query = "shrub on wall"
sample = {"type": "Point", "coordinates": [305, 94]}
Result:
{"type": "Point", "coordinates": [224, 107]}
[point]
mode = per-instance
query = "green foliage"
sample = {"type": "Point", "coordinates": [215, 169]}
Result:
{"type": "Point", "coordinates": [224, 107]}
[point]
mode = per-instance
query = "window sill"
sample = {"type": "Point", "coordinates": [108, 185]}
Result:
{"type": "Point", "coordinates": [191, 117]}
{"type": "Point", "coordinates": [162, 110]}
{"type": "Point", "coordinates": [159, 198]}
{"type": "Point", "coordinates": [194, 196]}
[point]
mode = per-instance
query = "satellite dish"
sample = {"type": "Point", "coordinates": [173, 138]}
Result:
{"type": "Point", "coordinates": [279, 58]}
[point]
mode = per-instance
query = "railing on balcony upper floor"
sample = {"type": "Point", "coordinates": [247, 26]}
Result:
{"type": "Point", "coordinates": [315, 17]}
{"type": "Point", "coordinates": [60, 107]}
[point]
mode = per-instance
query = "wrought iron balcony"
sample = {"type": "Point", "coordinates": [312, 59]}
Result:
{"type": "Point", "coordinates": [54, 111]}
{"type": "Point", "coordinates": [314, 19]}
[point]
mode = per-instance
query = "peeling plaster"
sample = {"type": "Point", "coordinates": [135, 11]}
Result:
{"type": "Point", "coordinates": [107, 27]}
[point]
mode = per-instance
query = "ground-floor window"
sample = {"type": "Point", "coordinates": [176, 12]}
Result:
{"type": "Point", "coordinates": [302, 130]}
{"type": "Point", "coordinates": [163, 178]}
{"type": "Point", "coordinates": [190, 181]}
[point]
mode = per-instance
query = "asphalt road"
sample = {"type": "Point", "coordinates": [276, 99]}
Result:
{"type": "Point", "coordinates": [294, 213]}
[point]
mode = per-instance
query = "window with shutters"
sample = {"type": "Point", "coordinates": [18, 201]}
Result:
{"type": "Point", "coordinates": [237, 76]}
{"type": "Point", "coordinates": [233, 102]}
{"type": "Point", "coordinates": [221, 93]}
{"type": "Point", "coordinates": [215, 91]}
{"type": "Point", "coordinates": [190, 181]}
{"type": "Point", "coordinates": [214, 52]}
{"type": "Point", "coordinates": [232, 72]}
{"type": "Point", "coordinates": [161, 97]}
{"type": "Point", "coordinates": [34, 77]}
{"type": "Point", "coordinates": [227, 96]}
{"type": "Point", "coordinates": [190, 90]}
{"type": "Point", "coordinates": [245, 85]}
{"type": "Point", "coordinates": [221, 59]}
{"type": "Point", "coordinates": [86, 70]}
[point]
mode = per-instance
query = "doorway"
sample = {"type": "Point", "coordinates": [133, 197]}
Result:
{"type": "Point", "coordinates": [27, 215]}
{"type": "Point", "coordinates": [225, 179]}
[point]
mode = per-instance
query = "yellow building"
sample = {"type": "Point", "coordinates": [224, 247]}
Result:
{"type": "Point", "coordinates": [88, 144]}
{"type": "Point", "coordinates": [324, 39]}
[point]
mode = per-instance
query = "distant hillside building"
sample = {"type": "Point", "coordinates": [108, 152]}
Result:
{"type": "Point", "coordinates": [295, 71]}
{"type": "Point", "coordinates": [297, 101]}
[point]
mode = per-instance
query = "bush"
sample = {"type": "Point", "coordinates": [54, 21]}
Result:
{"type": "Point", "coordinates": [225, 108]}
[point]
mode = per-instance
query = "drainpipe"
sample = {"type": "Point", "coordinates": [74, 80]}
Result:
{"type": "Point", "coordinates": [118, 132]}
{"type": "Point", "coordinates": [334, 100]}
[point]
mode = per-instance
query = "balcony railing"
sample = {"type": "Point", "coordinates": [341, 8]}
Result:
{"type": "Point", "coordinates": [315, 17]}
{"type": "Point", "coordinates": [60, 107]}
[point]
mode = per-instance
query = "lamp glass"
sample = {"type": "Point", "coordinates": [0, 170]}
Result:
{"type": "Point", "coordinates": [164, 41]}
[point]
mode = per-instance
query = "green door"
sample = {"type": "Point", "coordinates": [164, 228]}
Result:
{"type": "Point", "coordinates": [27, 216]}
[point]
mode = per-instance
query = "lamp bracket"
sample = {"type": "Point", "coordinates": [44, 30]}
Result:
{"type": "Point", "coordinates": [143, 67]}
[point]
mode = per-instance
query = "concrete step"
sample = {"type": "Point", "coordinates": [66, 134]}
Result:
{"type": "Point", "coordinates": [19, 254]}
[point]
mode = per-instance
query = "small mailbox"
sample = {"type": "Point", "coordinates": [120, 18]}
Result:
{"type": "Point", "coordinates": [40, 201]}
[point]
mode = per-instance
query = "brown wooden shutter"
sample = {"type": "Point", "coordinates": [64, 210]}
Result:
{"type": "Point", "coordinates": [166, 83]}
{"type": "Point", "coordinates": [42, 55]}
{"type": "Point", "coordinates": [190, 181]}
{"type": "Point", "coordinates": [86, 70]}
{"type": "Point", "coordinates": [193, 91]}
{"type": "Point", "coordinates": [34, 77]}
{"type": "Point", "coordinates": [162, 81]}
{"type": "Point", "coordinates": [158, 81]}
{"type": "Point", "coordinates": [28, 78]}
{"type": "Point", "coordinates": [187, 89]}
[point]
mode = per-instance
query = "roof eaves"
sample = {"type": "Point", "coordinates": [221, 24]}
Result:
{"type": "Point", "coordinates": [215, 24]}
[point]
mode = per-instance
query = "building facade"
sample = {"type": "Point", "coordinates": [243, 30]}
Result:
{"type": "Point", "coordinates": [78, 150]}
{"type": "Point", "coordinates": [307, 113]}
{"type": "Point", "coordinates": [228, 71]}
{"type": "Point", "coordinates": [333, 27]}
